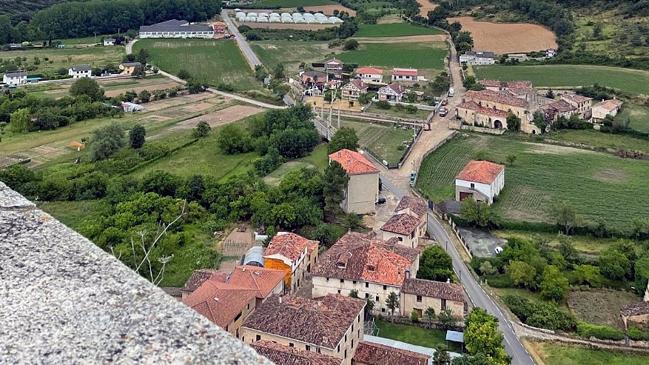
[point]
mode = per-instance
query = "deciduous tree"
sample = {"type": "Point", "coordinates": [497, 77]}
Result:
{"type": "Point", "coordinates": [136, 136]}
{"type": "Point", "coordinates": [345, 138]}
{"type": "Point", "coordinates": [392, 302]}
{"type": "Point", "coordinates": [554, 285]}
{"type": "Point", "coordinates": [435, 264]}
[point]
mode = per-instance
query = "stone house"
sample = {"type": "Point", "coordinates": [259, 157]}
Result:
{"type": "Point", "coordinates": [408, 223]}
{"type": "Point", "coordinates": [393, 92]}
{"type": "Point", "coordinates": [353, 89]}
{"type": "Point", "coordinates": [606, 107]}
{"type": "Point", "coordinates": [418, 295]}
{"type": "Point", "coordinates": [292, 254]}
{"type": "Point", "coordinates": [369, 353]}
{"type": "Point", "coordinates": [363, 186]}
{"type": "Point", "coordinates": [331, 325]}
{"type": "Point", "coordinates": [362, 262]}
{"type": "Point", "coordinates": [280, 354]}
{"type": "Point", "coordinates": [480, 180]}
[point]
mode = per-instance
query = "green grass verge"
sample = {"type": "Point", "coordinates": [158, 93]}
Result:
{"type": "Point", "coordinates": [632, 81]}
{"type": "Point", "coordinates": [416, 55]}
{"type": "Point", "coordinates": [290, 53]}
{"type": "Point", "coordinates": [558, 354]}
{"type": "Point", "coordinates": [319, 157]}
{"type": "Point", "coordinates": [432, 338]}
{"type": "Point", "coordinates": [584, 244]}
{"type": "Point", "coordinates": [596, 185]}
{"type": "Point", "coordinates": [382, 140]}
{"type": "Point", "coordinates": [606, 140]}
{"type": "Point", "coordinates": [212, 61]}
{"type": "Point", "coordinates": [637, 115]}
{"type": "Point", "coordinates": [394, 30]}
{"type": "Point", "coordinates": [73, 213]}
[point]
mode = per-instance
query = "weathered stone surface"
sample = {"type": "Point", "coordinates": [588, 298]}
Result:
{"type": "Point", "coordinates": [64, 300]}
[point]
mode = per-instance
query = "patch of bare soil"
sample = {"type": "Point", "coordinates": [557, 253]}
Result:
{"type": "Point", "coordinates": [504, 38]}
{"type": "Point", "coordinates": [601, 306]}
{"type": "Point", "coordinates": [425, 7]}
{"type": "Point", "coordinates": [611, 175]}
{"type": "Point", "coordinates": [218, 118]}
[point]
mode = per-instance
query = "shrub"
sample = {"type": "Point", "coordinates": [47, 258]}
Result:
{"type": "Point", "coordinates": [638, 334]}
{"type": "Point", "coordinates": [539, 314]}
{"type": "Point", "coordinates": [202, 130]}
{"type": "Point", "coordinates": [383, 105]}
{"type": "Point", "coordinates": [601, 332]}
{"type": "Point", "coordinates": [499, 281]}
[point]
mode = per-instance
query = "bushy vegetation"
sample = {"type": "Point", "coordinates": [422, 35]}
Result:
{"type": "Point", "coordinates": [540, 314]}
{"type": "Point", "coordinates": [599, 331]}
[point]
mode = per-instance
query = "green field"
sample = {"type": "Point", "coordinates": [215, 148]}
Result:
{"type": "Point", "coordinates": [318, 159]}
{"type": "Point", "coordinates": [290, 53]}
{"type": "Point", "coordinates": [57, 58]}
{"type": "Point", "coordinates": [211, 61]}
{"type": "Point", "coordinates": [598, 139]}
{"type": "Point", "coordinates": [431, 338]}
{"type": "Point", "coordinates": [596, 185]}
{"type": "Point", "coordinates": [632, 81]}
{"type": "Point", "coordinates": [416, 55]}
{"type": "Point", "coordinates": [637, 115]}
{"type": "Point", "coordinates": [419, 114]}
{"type": "Point", "coordinates": [394, 30]}
{"type": "Point", "coordinates": [586, 245]}
{"type": "Point", "coordinates": [559, 354]}
{"type": "Point", "coordinates": [383, 141]}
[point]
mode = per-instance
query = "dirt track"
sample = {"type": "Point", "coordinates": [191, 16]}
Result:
{"type": "Point", "coordinates": [404, 39]}
{"type": "Point", "coordinates": [507, 37]}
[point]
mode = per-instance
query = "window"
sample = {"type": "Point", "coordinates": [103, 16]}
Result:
{"type": "Point", "coordinates": [307, 347]}
{"type": "Point", "coordinates": [367, 295]}
{"type": "Point", "coordinates": [354, 282]}
{"type": "Point", "coordinates": [400, 239]}
{"type": "Point", "coordinates": [338, 291]}
{"type": "Point", "coordinates": [352, 327]}
{"type": "Point", "coordinates": [352, 343]}
{"type": "Point", "coordinates": [383, 310]}
{"type": "Point", "coordinates": [342, 281]}
{"type": "Point", "coordinates": [338, 348]}
{"type": "Point", "coordinates": [472, 186]}
{"type": "Point", "coordinates": [443, 304]}
{"type": "Point", "coordinates": [257, 338]}
{"type": "Point", "coordinates": [237, 317]}
{"type": "Point", "coordinates": [290, 344]}
{"type": "Point", "coordinates": [317, 350]}
{"type": "Point", "coordinates": [243, 339]}
{"type": "Point", "coordinates": [345, 337]}
{"type": "Point", "coordinates": [327, 279]}
{"type": "Point", "coordinates": [377, 298]}
{"type": "Point", "coordinates": [367, 285]}
{"type": "Point", "coordinates": [418, 298]}
{"type": "Point", "coordinates": [385, 287]}
{"type": "Point", "coordinates": [345, 353]}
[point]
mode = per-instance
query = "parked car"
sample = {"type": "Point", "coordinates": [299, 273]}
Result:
{"type": "Point", "coordinates": [443, 112]}
{"type": "Point", "coordinates": [445, 102]}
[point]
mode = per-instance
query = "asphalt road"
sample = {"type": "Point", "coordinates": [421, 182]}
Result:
{"type": "Point", "coordinates": [473, 289]}
{"type": "Point", "coordinates": [250, 56]}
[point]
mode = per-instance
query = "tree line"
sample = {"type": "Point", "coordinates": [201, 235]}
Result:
{"type": "Point", "coordinates": [80, 19]}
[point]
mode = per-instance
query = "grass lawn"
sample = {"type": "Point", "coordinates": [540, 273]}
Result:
{"type": "Point", "coordinates": [394, 30]}
{"type": "Point", "coordinates": [596, 185]}
{"type": "Point", "coordinates": [415, 55]}
{"type": "Point", "coordinates": [65, 57]}
{"type": "Point", "coordinates": [599, 139]}
{"type": "Point", "coordinates": [72, 213]}
{"type": "Point", "coordinates": [432, 338]}
{"type": "Point", "coordinates": [383, 141]}
{"type": "Point", "coordinates": [608, 303]}
{"type": "Point", "coordinates": [559, 354]}
{"type": "Point", "coordinates": [317, 159]}
{"type": "Point", "coordinates": [420, 114]}
{"type": "Point", "coordinates": [290, 53]}
{"type": "Point", "coordinates": [213, 61]}
{"type": "Point", "coordinates": [584, 244]}
{"type": "Point", "coordinates": [637, 115]}
{"type": "Point", "coordinates": [632, 81]}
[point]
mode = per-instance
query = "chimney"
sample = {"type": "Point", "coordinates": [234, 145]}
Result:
{"type": "Point", "coordinates": [280, 300]}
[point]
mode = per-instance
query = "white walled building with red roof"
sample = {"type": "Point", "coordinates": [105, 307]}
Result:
{"type": "Point", "coordinates": [293, 254]}
{"type": "Point", "coordinates": [405, 74]}
{"type": "Point", "coordinates": [363, 186]}
{"type": "Point", "coordinates": [370, 74]}
{"type": "Point", "coordinates": [480, 180]}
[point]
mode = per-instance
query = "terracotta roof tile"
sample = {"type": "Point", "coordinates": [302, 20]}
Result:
{"type": "Point", "coordinates": [560, 106]}
{"type": "Point", "coordinates": [405, 71]}
{"type": "Point", "coordinates": [413, 204]}
{"type": "Point", "coordinates": [496, 97]}
{"type": "Point", "coordinates": [480, 171]}
{"type": "Point", "coordinates": [402, 223]}
{"type": "Point", "coordinates": [433, 289]}
{"type": "Point", "coordinates": [398, 88]}
{"type": "Point", "coordinates": [610, 105]}
{"type": "Point", "coordinates": [472, 105]}
{"type": "Point", "coordinates": [220, 302]}
{"type": "Point", "coordinates": [377, 354]}
{"type": "Point", "coordinates": [369, 70]}
{"type": "Point", "coordinates": [358, 256]}
{"type": "Point", "coordinates": [285, 355]}
{"type": "Point", "coordinates": [353, 162]}
{"type": "Point", "coordinates": [199, 277]}
{"type": "Point", "coordinates": [322, 321]}
{"type": "Point", "coordinates": [259, 279]}
{"type": "Point", "coordinates": [575, 98]}
{"type": "Point", "coordinates": [290, 245]}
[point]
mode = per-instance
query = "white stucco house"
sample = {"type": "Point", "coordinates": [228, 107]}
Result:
{"type": "Point", "coordinates": [480, 180]}
{"type": "Point", "coordinates": [16, 78]}
{"type": "Point", "coordinates": [370, 74]}
{"type": "Point", "coordinates": [80, 71]}
{"type": "Point", "coordinates": [606, 107]}
{"type": "Point", "coordinates": [109, 41]}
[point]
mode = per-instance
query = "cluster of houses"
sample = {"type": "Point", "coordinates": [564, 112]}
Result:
{"type": "Point", "coordinates": [490, 107]}
{"type": "Point", "coordinates": [296, 18]}
{"type": "Point", "coordinates": [354, 84]}
{"type": "Point", "coordinates": [19, 78]}
{"type": "Point", "coordinates": [175, 28]}
{"type": "Point", "coordinates": [266, 301]}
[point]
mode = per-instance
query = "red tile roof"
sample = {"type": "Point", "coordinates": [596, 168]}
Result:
{"type": "Point", "coordinates": [353, 162]}
{"type": "Point", "coordinates": [402, 223]}
{"type": "Point", "coordinates": [290, 245]}
{"type": "Point", "coordinates": [377, 354]}
{"type": "Point", "coordinates": [610, 105]}
{"type": "Point", "coordinates": [358, 256]}
{"type": "Point", "coordinates": [495, 97]}
{"type": "Point", "coordinates": [369, 70]}
{"type": "Point", "coordinates": [259, 279]}
{"type": "Point", "coordinates": [480, 171]}
{"type": "Point", "coordinates": [414, 204]}
{"type": "Point", "coordinates": [560, 106]}
{"type": "Point", "coordinates": [433, 289]}
{"type": "Point", "coordinates": [472, 105]}
{"type": "Point", "coordinates": [199, 277]}
{"type": "Point", "coordinates": [358, 84]}
{"type": "Point", "coordinates": [285, 355]}
{"type": "Point", "coordinates": [322, 321]}
{"type": "Point", "coordinates": [397, 88]}
{"type": "Point", "coordinates": [220, 302]}
{"type": "Point", "coordinates": [521, 84]}
{"type": "Point", "coordinates": [405, 71]}
{"type": "Point", "coordinates": [575, 98]}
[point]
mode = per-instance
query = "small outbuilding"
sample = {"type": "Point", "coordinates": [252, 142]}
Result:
{"type": "Point", "coordinates": [480, 180]}
{"type": "Point", "coordinates": [254, 256]}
